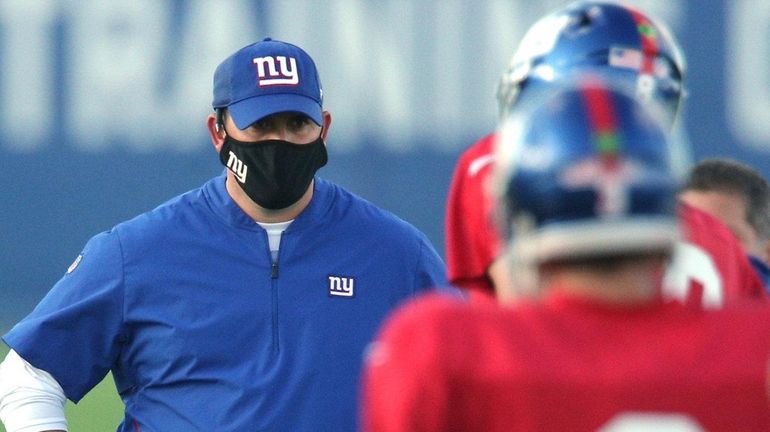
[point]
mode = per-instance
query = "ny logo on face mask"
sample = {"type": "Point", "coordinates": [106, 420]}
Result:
{"type": "Point", "coordinates": [270, 75]}
{"type": "Point", "coordinates": [237, 167]}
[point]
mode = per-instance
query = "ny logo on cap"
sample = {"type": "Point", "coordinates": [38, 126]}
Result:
{"type": "Point", "coordinates": [272, 76]}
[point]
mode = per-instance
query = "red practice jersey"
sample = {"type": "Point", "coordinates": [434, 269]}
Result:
{"type": "Point", "coordinates": [710, 266]}
{"type": "Point", "coordinates": [568, 365]}
{"type": "Point", "coordinates": [472, 240]}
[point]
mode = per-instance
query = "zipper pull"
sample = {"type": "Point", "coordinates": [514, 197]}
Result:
{"type": "Point", "coordinates": [274, 270]}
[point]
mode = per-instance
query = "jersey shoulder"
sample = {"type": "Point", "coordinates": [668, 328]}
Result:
{"type": "Point", "coordinates": [715, 239]}
{"type": "Point", "coordinates": [701, 227]}
{"type": "Point", "coordinates": [426, 310]}
{"type": "Point", "coordinates": [472, 240]}
{"type": "Point", "coordinates": [477, 156]}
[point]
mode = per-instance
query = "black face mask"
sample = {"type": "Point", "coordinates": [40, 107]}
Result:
{"type": "Point", "coordinates": [273, 173]}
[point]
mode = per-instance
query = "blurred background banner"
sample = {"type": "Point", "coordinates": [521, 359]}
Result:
{"type": "Point", "coordinates": [103, 103]}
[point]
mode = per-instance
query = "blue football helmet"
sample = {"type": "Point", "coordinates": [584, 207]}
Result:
{"type": "Point", "coordinates": [585, 172]}
{"type": "Point", "coordinates": [600, 37]}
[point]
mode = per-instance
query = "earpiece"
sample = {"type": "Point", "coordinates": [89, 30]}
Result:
{"type": "Point", "coordinates": [219, 125]}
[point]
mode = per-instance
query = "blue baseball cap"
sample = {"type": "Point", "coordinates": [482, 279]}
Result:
{"type": "Point", "coordinates": [265, 78]}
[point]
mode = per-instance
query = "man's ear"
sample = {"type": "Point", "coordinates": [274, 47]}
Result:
{"type": "Point", "coordinates": [216, 132]}
{"type": "Point", "coordinates": [327, 122]}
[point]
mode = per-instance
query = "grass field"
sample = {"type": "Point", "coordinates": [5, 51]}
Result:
{"type": "Point", "coordinates": [101, 409]}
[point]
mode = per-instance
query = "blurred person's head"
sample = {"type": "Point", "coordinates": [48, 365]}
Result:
{"type": "Point", "coordinates": [613, 40]}
{"type": "Point", "coordinates": [737, 195]}
{"type": "Point", "coordinates": [583, 181]}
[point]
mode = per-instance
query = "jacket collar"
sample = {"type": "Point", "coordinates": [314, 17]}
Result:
{"type": "Point", "coordinates": [220, 202]}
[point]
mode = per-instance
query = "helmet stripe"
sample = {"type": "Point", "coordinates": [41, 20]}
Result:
{"type": "Point", "coordinates": [601, 117]}
{"type": "Point", "coordinates": [649, 40]}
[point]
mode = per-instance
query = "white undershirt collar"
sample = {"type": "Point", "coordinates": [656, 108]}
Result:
{"type": "Point", "coordinates": [274, 231]}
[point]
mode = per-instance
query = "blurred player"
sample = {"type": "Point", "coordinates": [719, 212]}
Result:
{"type": "Point", "coordinates": [739, 196]}
{"type": "Point", "coordinates": [602, 37]}
{"type": "Point", "coordinates": [588, 197]}
{"type": "Point", "coordinates": [625, 44]}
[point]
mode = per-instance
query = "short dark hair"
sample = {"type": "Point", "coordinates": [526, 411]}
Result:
{"type": "Point", "coordinates": [732, 177]}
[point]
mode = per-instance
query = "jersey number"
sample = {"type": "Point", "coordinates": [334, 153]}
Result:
{"type": "Point", "coordinates": [651, 422]}
{"type": "Point", "coordinates": [692, 267]}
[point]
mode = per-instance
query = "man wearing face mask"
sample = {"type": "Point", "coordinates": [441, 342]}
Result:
{"type": "Point", "coordinates": [243, 305]}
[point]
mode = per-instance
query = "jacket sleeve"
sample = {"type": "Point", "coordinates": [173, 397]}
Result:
{"type": "Point", "coordinates": [74, 333]}
{"type": "Point", "coordinates": [431, 271]}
